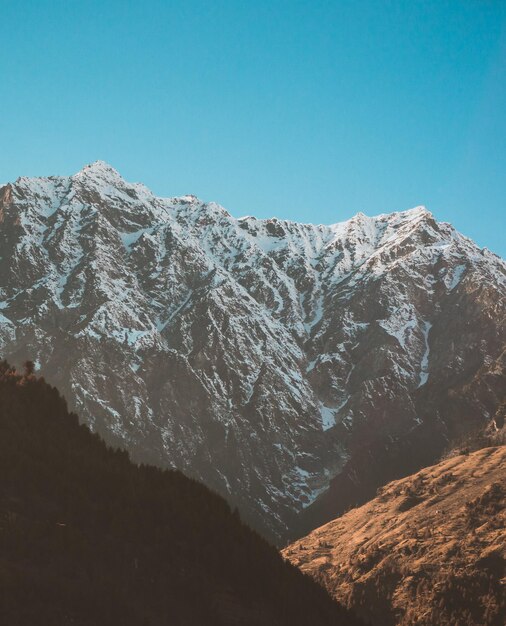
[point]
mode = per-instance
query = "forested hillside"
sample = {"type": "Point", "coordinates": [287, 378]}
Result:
{"type": "Point", "coordinates": [88, 538]}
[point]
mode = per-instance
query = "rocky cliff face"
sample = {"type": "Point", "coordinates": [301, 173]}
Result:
{"type": "Point", "coordinates": [266, 358]}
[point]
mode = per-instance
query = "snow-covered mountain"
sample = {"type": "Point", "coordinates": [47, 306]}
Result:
{"type": "Point", "coordinates": [263, 357]}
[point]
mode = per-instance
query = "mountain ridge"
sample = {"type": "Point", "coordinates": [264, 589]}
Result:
{"type": "Point", "coordinates": [256, 355]}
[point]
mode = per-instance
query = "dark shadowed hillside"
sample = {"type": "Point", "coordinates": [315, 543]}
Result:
{"type": "Point", "coordinates": [429, 550]}
{"type": "Point", "coordinates": [87, 538]}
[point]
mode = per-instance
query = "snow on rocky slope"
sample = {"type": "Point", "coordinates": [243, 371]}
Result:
{"type": "Point", "coordinates": [259, 356]}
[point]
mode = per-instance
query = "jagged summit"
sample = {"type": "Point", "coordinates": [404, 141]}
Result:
{"type": "Point", "coordinates": [103, 170]}
{"type": "Point", "coordinates": [99, 166]}
{"type": "Point", "coordinates": [419, 210]}
{"type": "Point", "coordinates": [99, 169]}
{"type": "Point", "coordinates": [99, 172]}
{"type": "Point", "coordinates": [260, 356]}
{"type": "Point", "coordinates": [359, 218]}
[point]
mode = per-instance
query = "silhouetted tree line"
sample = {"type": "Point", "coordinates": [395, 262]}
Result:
{"type": "Point", "coordinates": [88, 538]}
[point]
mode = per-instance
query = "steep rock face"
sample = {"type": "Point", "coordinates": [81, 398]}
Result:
{"type": "Point", "coordinates": [260, 356]}
{"type": "Point", "coordinates": [429, 549]}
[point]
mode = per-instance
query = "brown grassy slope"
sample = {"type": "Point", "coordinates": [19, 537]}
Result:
{"type": "Point", "coordinates": [430, 549]}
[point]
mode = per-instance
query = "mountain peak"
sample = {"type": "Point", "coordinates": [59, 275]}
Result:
{"type": "Point", "coordinates": [98, 169]}
{"type": "Point", "coordinates": [273, 331]}
{"type": "Point", "coordinates": [417, 211]}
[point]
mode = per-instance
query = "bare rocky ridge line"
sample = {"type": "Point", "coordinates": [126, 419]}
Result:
{"type": "Point", "coordinates": [259, 356]}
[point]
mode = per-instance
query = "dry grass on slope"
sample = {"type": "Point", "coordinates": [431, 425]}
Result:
{"type": "Point", "coordinates": [430, 549]}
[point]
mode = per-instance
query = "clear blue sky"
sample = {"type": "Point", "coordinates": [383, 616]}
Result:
{"type": "Point", "coordinates": [304, 110]}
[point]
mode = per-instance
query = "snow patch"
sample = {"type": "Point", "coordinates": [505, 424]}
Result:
{"type": "Point", "coordinates": [424, 365]}
{"type": "Point", "coordinates": [328, 416]}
